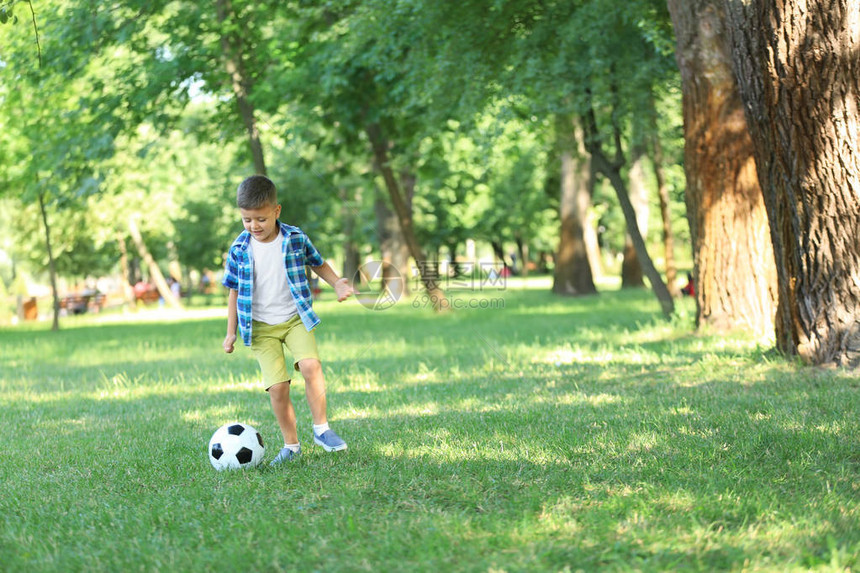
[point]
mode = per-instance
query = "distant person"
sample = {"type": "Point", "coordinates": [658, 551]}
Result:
{"type": "Point", "coordinates": [273, 309]}
{"type": "Point", "coordinates": [689, 288]}
{"type": "Point", "coordinates": [140, 289]}
{"type": "Point", "coordinates": [205, 283]}
{"type": "Point", "coordinates": [175, 288]}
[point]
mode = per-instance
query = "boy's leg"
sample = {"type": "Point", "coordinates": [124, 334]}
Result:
{"type": "Point", "coordinates": [282, 406]}
{"type": "Point", "coordinates": [311, 370]}
{"type": "Point", "coordinates": [304, 348]}
{"type": "Point", "coordinates": [267, 344]}
{"type": "Point", "coordinates": [324, 436]}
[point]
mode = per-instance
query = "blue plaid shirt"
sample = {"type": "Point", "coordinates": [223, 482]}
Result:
{"type": "Point", "coordinates": [298, 251]}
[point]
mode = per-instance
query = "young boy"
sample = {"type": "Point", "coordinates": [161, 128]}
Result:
{"type": "Point", "coordinates": [270, 303]}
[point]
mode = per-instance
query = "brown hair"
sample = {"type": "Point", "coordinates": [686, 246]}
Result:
{"type": "Point", "coordinates": [256, 191]}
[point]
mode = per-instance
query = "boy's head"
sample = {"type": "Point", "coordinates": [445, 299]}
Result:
{"type": "Point", "coordinates": [257, 200]}
{"type": "Point", "coordinates": [255, 192]}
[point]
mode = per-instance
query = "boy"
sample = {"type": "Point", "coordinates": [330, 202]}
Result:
{"type": "Point", "coordinates": [270, 303]}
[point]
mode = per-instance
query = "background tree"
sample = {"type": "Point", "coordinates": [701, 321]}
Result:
{"type": "Point", "coordinates": [798, 68]}
{"type": "Point", "coordinates": [57, 144]}
{"type": "Point", "coordinates": [573, 269]}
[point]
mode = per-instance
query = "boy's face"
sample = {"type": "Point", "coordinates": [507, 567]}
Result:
{"type": "Point", "coordinates": [262, 222]}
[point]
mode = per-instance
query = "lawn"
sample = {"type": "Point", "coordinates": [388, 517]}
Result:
{"type": "Point", "coordinates": [521, 432]}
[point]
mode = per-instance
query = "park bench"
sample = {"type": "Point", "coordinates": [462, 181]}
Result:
{"type": "Point", "coordinates": [147, 296]}
{"type": "Point", "coordinates": [81, 303]}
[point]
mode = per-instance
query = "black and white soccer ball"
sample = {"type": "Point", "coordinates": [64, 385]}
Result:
{"type": "Point", "coordinates": [236, 445]}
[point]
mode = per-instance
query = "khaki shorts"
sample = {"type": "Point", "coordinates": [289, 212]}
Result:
{"type": "Point", "coordinates": [268, 342]}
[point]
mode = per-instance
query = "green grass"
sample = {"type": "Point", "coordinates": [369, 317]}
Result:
{"type": "Point", "coordinates": [548, 435]}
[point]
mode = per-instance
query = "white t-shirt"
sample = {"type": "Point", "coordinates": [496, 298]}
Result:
{"type": "Point", "coordinates": [271, 301]}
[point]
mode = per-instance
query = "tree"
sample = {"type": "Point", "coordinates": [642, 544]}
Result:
{"type": "Point", "coordinates": [484, 180]}
{"type": "Point", "coordinates": [632, 275]}
{"type": "Point", "coordinates": [56, 144]}
{"type": "Point", "coordinates": [380, 145]}
{"type": "Point", "coordinates": [611, 169]}
{"type": "Point", "coordinates": [232, 28]}
{"type": "Point", "coordinates": [155, 273]}
{"type": "Point", "coordinates": [798, 69]}
{"type": "Point", "coordinates": [734, 272]}
{"type": "Point", "coordinates": [346, 75]}
{"type": "Point", "coordinates": [572, 274]}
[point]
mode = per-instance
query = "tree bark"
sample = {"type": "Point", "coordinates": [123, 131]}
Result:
{"type": "Point", "coordinates": [522, 252]}
{"type": "Point", "coordinates": [399, 250]}
{"type": "Point", "coordinates": [798, 69]}
{"type": "Point", "coordinates": [429, 278]}
{"type": "Point", "coordinates": [154, 272]}
{"type": "Point", "coordinates": [240, 83]}
{"type": "Point", "coordinates": [734, 273]}
{"type": "Point", "coordinates": [592, 244]}
{"type": "Point", "coordinates": [499, 252]}
{"type": "Point", "coordinates": [52, 267]}
{"type": "Point", "coordinates": [396, 273]}
{"type": "Point", "coordinates": [572, 275]}
{"type": "Point", "coordinates": [350, 247]}
{"type": "Point", "coordinates": [632, 275]}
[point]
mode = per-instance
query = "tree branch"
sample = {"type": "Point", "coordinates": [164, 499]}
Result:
{"type": "Point", "coordinates": [36, 30]}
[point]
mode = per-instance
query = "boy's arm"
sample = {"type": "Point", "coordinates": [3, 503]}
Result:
{"type": "Point", "coordinates": [340, 285]}
{"type": "Point", "coordinates": [232, 321]}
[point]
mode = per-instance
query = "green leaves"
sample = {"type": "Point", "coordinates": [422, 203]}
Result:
{"type": "Point", "coordinates": [7, 12]}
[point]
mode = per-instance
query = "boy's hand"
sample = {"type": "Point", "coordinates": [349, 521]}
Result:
{"type": "Point", "coordinates": [342, 289]}
{"type": "Point", "coordinates": [229, 341]}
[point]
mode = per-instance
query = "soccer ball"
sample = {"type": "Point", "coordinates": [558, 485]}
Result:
{"type": "Point", "coordinates": [235, 446]}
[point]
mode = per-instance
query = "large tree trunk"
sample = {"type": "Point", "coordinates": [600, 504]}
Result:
{"type": "Point", "coordinates": [572, 274]}
{"type": "Point", "coordinates": [734, 271]}
{"type": "Point", "coordinates": [798, 68]}
{"type": "Point", "coordinates": [240, 83]}
{"type": "Point", "coordinates": [429, 278]}
{"type": "Point", "coordinates": [52, 268]}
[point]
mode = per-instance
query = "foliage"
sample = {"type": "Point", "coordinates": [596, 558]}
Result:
{"type": "Point", "coordinates": [591, 436]}
{"type": "Point", "coordinates": [135, 106]}
{"type": "Point", "coordinates": [484, 180]}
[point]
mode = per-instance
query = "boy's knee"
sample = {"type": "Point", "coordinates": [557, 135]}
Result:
{"type": "Point", "coordinates": [280, 389]}
{"type": "Point", "coordinates": [310, 367]}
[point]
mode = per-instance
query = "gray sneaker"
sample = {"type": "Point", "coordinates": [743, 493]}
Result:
{"type": "Point", "coordinates": [286, 455]}
{"type": "Point", "coordinates": [329, 441]}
